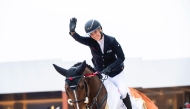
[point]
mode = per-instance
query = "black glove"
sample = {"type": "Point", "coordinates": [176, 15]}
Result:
{"type": "Point", "coordinates": [72, 25]}
{"type": "Point", "coordinates": [106, 71]}
{"type": "Point", "coordinates": [99, 76]}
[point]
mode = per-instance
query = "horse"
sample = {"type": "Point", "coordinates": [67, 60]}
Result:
{"type": "Point", "coordinates": [83, 87]}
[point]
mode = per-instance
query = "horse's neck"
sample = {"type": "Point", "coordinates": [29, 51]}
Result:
{"type": "Point", "coordinates": [94, 84]}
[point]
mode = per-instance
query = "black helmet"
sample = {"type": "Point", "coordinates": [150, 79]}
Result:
{"type": "Point", "coordinates": [91, 26]}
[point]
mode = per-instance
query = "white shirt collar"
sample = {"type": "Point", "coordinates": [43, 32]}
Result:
{"type": "Point", "coordinates": [101, 43]}
{"type": "Point", "coordinates": [101, 40]}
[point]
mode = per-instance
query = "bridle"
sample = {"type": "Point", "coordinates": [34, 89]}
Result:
{"type": "Point", "coordinates": [85, 100]}
{"type": "Point", "coordinates": [86, 89]}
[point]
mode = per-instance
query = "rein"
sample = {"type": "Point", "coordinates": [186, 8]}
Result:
{"type": "Point", "coordinates": [93, 74]}
{"type": "Point", "coordinates": [95, 98]}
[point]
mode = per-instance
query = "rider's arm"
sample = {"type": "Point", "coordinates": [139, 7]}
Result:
{"type": "Point", "coordinates": [119, 53]}
{"type": "Point", "coordinates": [80, 39]}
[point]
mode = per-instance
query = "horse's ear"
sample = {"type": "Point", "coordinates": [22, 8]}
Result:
{"type": "Point", "coordinates": [62, 71]}
{"type": "Point", "coordinates": [81, 68]}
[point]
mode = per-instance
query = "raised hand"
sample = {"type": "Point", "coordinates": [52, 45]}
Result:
{"type": "Point", "coordinates": [72, 25]}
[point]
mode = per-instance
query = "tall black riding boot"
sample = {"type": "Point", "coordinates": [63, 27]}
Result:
{"type": "Point", "coordinates": [127, 102]}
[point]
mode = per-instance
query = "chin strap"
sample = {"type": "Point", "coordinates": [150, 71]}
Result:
{"type": "Point", "coordinates": [101, 34]}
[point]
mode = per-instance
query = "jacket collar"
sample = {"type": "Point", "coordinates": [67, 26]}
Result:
{"type": "Point", "coordinates": [106, 41]}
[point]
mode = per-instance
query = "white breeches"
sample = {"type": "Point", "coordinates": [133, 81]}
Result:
{"type": "Point", "coordinates": [119, 82]}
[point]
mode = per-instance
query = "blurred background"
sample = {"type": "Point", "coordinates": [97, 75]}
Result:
{"type": "Point", "coordinates": [34, 34]}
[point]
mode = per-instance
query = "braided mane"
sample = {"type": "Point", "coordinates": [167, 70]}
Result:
{"type": "Point", "coordinates": [88, 66]}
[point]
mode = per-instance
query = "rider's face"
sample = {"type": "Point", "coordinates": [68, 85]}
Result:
{"type": "Point", "coordinates": [96, 35]}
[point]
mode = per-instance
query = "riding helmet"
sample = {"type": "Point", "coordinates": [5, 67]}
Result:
{"type": "Point", "coordinates": [91, 26]}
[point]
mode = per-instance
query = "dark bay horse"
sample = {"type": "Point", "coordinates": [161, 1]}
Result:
{"type": "Point", "coordinates": [84, 89]}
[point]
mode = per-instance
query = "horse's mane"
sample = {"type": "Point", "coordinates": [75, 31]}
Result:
{"type": "Point", "coordinates": [88, 66]}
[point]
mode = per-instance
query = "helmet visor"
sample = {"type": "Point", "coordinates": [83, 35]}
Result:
{"type": "Point", "coordinates": [88, 33]}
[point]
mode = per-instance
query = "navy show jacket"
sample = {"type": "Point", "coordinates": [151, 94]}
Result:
{"type": "Point", "coordinates": [113, 54]}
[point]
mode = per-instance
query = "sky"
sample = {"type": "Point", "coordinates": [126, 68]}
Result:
{"type": "Point", "coordinates": [39, 29]}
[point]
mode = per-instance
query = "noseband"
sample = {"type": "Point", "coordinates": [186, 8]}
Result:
{"type": "Point", "coordinates": [85, 100]}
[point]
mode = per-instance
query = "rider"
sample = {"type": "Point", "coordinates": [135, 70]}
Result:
{"type": "Point", "coordinates": [107, 54]}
